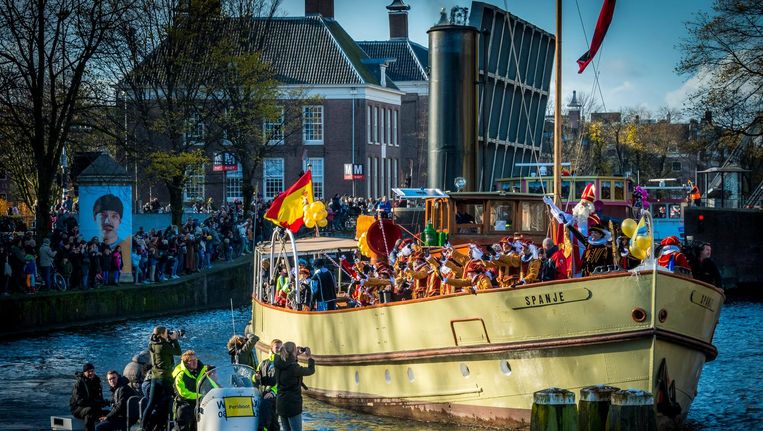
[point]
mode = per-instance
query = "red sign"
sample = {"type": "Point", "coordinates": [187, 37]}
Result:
{"type": "Point", "coordinates": [353, 172]}
{"type": "Point", "coordinates": [224, 168]}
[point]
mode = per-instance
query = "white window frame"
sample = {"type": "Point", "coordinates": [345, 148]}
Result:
{"type": "Point", "coordinates": [194, 186]}
{"type": "Point", "coordinates": [309, 137]}
{"type": "Point", "coordinates": [368, 125]}
{"type": "Point", "coordinates": [318, 170]}
{"type": "Point", "coordinates": [270, 173]}
{"type": "Point", "coordinates": [394, 128]}
{"type": "Point", "coordinates": [234, 181]}
{"type": "Point", "coordinates": [388, 126]}
{"type": "Point", "coordinates": [376, 125]}
{"type": "Point", "coordinates": [368, 177]}
{"type": "Point", "coordinates": [272, 131]}
{"type": "Point", "coordinates": [195, 131]}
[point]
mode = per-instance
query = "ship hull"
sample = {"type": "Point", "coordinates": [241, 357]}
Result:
{"type": "Point", "coordinates": [476, 359]}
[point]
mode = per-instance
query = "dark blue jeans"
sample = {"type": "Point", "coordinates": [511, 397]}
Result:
{"type": "Point", "coordinates": [159, 397]}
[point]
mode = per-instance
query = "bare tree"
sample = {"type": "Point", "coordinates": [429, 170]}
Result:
{"type": "Point", "coordinates": [724, 51]}
{"type": "Point", "coordinates": [47, 52]}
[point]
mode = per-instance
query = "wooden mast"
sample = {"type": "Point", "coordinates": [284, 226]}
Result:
{"type": "Point", "coordinates": [558, 107]}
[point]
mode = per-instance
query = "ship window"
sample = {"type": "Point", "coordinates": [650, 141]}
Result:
{"type": "Point", "coordinates": [619, 191]}
{"type": "Point", "coordinates": [357, 378]}
{"type": "Point", "coordinates": [469, 218]}
{"type": "Point", "coordinates": [534, 216]}
{"type": "Point", "coordinates": [501, 216]}
{"type": "Point", "coordinates": [465, 370]}
{"type": "Point", "coordinates": [565, 190]}
{"type": "Point", "coordinates": [506, 367]}
{"type": "Point", "coordinates": [535, 187]}
{"type": "Point", "coordinates": [660, 211]}
{"type": "Point", "coordinates": [579, 188]}
{"type": "Point", "coordinates": [411, 377]}
{"type": "Point", "coordinates": [387, 377]}
{"type": "Point", "coordinates": [606, 190]}
{"type": "Point", "coordinates": [675, 211]}
{"type": "Point", "coordinates": [516, 186]}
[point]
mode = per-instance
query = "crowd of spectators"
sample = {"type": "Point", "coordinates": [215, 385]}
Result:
{"type": "Point", "coordinates": [156, 255]}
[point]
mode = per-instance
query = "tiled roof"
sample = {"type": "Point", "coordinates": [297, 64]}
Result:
{"type": "Point", "coordinates": [304, 50]}
{"type": "Point", "coordinates": [411, 59]}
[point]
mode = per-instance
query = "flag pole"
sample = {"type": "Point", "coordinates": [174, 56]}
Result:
{"type": "Point", "coordinates": [558, 107]}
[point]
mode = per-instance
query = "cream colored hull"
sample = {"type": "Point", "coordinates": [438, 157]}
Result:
{"type": "Point", "coordinates": [479, 358]}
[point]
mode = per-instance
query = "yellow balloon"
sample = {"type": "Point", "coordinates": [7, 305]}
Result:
{"type": "Point", "coordinates": [323, 223]}
{"type": "Point", "coordinates": [643, 242]}
{"type": "Point", "coordinates": [636, 252]}
{"type": "Point", "coordinates": [628, 227]}
{"type": "Point", "coordinates": [316, 206]}
{"type": "Point", "coordinates": [310, 223]}
{"type": "Point", "coordinates": [322, 215]}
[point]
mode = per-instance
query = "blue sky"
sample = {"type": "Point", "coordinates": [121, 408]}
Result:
{"type": "Point", "coordinates": [635, 63]}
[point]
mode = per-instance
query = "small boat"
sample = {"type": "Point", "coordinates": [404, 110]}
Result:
{"type": "Point", "coordinates": [231, 406]}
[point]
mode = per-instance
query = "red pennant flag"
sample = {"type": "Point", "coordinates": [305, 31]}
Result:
{"type": "Point", "coordinates": [602, 25]}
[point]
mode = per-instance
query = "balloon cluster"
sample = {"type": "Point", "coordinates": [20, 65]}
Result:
{"type": "Point", "coordinates": [315, 214]}
{"type": "Point", "coordinates": [641, 237]}
{"type": "Point", "coordinates": [363, 246]}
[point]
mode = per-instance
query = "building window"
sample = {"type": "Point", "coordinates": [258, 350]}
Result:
{"type": "Point", "coordinates": [376, 177]}
{"type": "Point", "coordinates": [195, 128]}
{"type": "Point", "coordinates": [312, 127]}
{"type": "Point", "coordinates": [272, 129]}
{"type": "Point", "coordinates": [194, 187]}
{"type": "Point", "coordinates": [376, 125]}
{"type": "Point", "coordinates": [395, 174]}
{"type": "Point", "coordinates": [272, 170]}
{"type": "Point", "coordinates": [317, 174]}
{"type": "Point", "coordinates": [676, 166]}
{"type": "Point", "coordinates": [369, 175]}
{"type": "Point", "coordinates": [394, 128]}
{"type": "Point", "coordinates": [233, 182]}
{"type": "Point", "coordinates": [368, 125]}
{"type": "Point", "coordinates": [388, 125]}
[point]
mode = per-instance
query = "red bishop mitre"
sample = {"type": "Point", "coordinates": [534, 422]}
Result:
{"type": "Point", "coordinates": [671, 240]}
{"type": "Point", "coordinates": [589, 193]}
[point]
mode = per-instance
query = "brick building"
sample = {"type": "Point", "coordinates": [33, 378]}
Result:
{"type": "Point", "coordinates": [372, 112]}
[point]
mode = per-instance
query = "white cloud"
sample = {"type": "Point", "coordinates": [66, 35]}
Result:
{"type": "Point", "coordinates": [677, 98]}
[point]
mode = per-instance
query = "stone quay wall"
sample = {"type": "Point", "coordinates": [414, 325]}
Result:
{"type": "Point", "coordinates": [213, 288]}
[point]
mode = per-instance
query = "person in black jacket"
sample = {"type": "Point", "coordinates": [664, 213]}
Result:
{"type": "Point", "coordinates": [87, 401]}
{"type": "Point", "coordinates": [288, 376]}
{"type": "Point", "coordinates": [703, 268]}
{"type": "Point", "coordinates": [121, 391]}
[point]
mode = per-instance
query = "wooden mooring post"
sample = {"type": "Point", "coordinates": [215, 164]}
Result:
{"type": "Point", "coordinates": [632, 410]}
{"type": "Point", "coordinates": [594, 407]}
{"type": "Point", "coordinates": [554, 410]}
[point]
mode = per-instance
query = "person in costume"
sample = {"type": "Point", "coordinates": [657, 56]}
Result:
{"type": "Point", "coordinates": [671, 255]}
{"type": "Point", "coordinates": [530, 268]}
{"type": "Point", "coordinates": [598, 251]}
{"type": "Point", "coordinates": [475, 278]}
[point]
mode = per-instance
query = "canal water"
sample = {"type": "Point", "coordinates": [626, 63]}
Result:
{"type": "Point", "coordinates": [36, 373]}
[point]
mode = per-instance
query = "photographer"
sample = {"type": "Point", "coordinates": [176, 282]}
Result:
{"type": "Point", "coordinates": [163, 347]}
{"type": "Point", "coordinates": [288, 376]}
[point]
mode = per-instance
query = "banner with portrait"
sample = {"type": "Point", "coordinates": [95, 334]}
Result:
{"type": "Point", "coordinates": [105, 213]}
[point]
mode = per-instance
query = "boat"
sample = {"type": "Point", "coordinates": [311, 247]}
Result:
{"type": "Point", "coordinates": [476, 357]}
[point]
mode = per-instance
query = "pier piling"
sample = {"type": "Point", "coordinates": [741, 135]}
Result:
{"type": "Point", "coordinates": [594, 407]}
{"type": "Point", "coordinates": [554, 410]}
{"type": "Point", "coordinates": [632, 410]}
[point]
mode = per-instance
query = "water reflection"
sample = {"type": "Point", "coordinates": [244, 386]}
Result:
{"type": "Point", "coordinates": [37, 372]}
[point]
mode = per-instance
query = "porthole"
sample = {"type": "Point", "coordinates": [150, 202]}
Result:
{"type": "Point", "coordinates": [506, 367]}
{"type": "Point", "coordinates": [411, 377]}
{"type": "Point", "coordinates": [465, 370]}
{"type": "Point", "coordinates": [638, 315]}
{"type": "Point", "coordinates": [357, 378]}
{"type": "Point", "coordinates": [663, 316]}
{"type": "Point", "coordinates": [387, 376]}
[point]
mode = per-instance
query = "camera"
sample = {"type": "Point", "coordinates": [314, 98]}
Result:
{"type": "Point", "coordinates": [178, 332]}
{"type": "Point", "coordinates": [301, 350]}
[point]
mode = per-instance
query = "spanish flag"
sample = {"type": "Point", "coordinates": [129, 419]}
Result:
{"type": "Point", "coordinates": [288, 208]}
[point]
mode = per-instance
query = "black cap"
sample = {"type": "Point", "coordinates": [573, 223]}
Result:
{"type": "Point", "coordinates": [88, 367]}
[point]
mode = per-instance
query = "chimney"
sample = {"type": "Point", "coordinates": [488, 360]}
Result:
{"type": "Point", "coordinates": [398, 19]}
{"type": "Point", "coordinates": [324, 8]}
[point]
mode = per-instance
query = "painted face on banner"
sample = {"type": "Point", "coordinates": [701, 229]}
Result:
{"type": "Point", "coordinates": [109, 221]}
